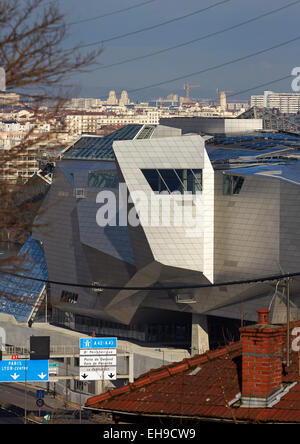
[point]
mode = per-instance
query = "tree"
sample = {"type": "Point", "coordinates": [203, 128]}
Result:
{"type": "Point", "coordinates": [37, 67]}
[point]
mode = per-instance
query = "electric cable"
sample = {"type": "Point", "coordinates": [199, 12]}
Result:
{"type": "Point", "coordinates": [156, 288]}
{"type": "Point", "coordinates": [149, 28]}
{"type": "Point", "coordinates": [107, 14]}
{"type": "Point", "coordinates": [261, 85]}
{"type": "Point", "coordinates": [212, 68]}
{"type": "Point", "coordinates": [189, 42]}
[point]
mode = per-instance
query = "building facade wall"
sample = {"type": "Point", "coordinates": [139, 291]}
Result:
{"type": "Point", "coordinates": [58, 230]}
{"type": "Point", "coordinates": [177, 244]}
{"type": "Point", "coordinates": [289, 227]}
{"type": "Point", "coordinates": [247, 229]}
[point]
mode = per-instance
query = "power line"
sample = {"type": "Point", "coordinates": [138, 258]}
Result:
{"type": "Point", "coordinates": [211, 68]}
{"type": "Point", "coordinates": [149, 28]}
{"type": "Point", "coordinates": [215, 67]}
{"type": "Point", "coordinates": [107, 14]}
{"type": "Point", "coordinates": [260, 86]}
{"type": "Point", "coordinates": [213, 34]}
{"type": "Point", "coordinates": [159, 288]}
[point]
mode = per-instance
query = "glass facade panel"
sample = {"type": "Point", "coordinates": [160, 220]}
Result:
{"type": "Point", "coordinates": [153, 179]}
{"type": "Point", "coordinates": [194, 180]}
{"type": "Point", "coordinates": [232, 184]}
{"type": "Point", "coordinates": [103, 180]}
{"type": "Point", "coordinates": [237, 184]}
{"type": "Point", "coordinates": [172, 180]}
{"type": "Point", "coordinates": [227, 185]}
{"type": "Point", "coordinates": [100, 147]}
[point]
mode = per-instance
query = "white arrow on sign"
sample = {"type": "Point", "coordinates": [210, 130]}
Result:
{"type": "Point", "coordinates": [96, 374]}
{"type": "Point", "coordinates": [15, 376]}
{"type": "Point", "coordinates": [42, 375]}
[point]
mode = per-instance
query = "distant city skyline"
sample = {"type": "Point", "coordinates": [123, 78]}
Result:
{"type": "Point", "coordinates": [220, 49]}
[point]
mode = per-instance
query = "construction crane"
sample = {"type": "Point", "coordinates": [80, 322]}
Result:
{"type": "Point", "coordinates": [187, 87]}
{"type": "Point", "coordinates": [222, 95]}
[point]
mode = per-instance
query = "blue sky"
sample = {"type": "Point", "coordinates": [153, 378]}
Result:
{"type": "Point", "coordinates": [264, 33]}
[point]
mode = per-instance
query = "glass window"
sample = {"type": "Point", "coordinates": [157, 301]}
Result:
{"type": "Point", "coordinates": [227, 185]}
{"type": "Point", "coordinates": [232, 184]}
{"type": "Point", "coordinates": [194, 180]}
{"type": "Point", "coordinates": [101, 179]}
{"type": "Point", "coordinates": [153, 179]}
{"type": "Point", "coordinates": [171, 180]}
{"type": "Point", "coordinates": [80, 193]}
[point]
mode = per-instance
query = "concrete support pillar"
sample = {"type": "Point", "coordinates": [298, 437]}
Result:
{"type": "Point", "coordinates": [131, 367]}
{"type": "Point", "coordinates": [100, 387]}
{"type": "Point", "coordinates": [199, 339]}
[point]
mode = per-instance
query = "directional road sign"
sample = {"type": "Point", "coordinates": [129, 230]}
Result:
{"type": "Point", "coordinates": [23, 370]}
{"type": "Point", "coordinates": [97, 373]}
{"type": "Point", "coordinates": [98, 359]}
{"type": "Point", "coordinates": [87, 343]}
{"type": "Point", "coordinates": [98, 352]}
{"type": "Point", "coordinates": [53, 368]}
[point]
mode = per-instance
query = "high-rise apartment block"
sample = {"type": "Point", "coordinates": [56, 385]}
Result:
{"type": "Point", "coordinates": [288, 103]}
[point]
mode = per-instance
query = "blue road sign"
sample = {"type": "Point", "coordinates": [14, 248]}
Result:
{"type": "Point", "coordinates": [87, 343]}
{"type": "Point", "coordinates": [40, 394]}
{"type": "Point", "coordinates": [22, 370]}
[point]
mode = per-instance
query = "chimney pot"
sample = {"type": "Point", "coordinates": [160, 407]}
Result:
{"type": "Point", "coordinates": [263, 316]}
{"type": "Point", "coordinates": [262, 346]}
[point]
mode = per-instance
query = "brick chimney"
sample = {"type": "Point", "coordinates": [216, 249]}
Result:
{"type": "Point", "coordinates": [262, 346]}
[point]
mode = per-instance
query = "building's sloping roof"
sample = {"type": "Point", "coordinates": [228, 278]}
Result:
{"type": "Point", "coordinates": [203, 386]}
{"type": "Point", "coordinates": [100, 148]}
{"type": "Point", "coordinates": [271, 155]}
{"type": "Point", "coordinates": [231, 153]}
{"type": "Point", "coordinates": [223, 147]}
{"type": "Point", "coordinates": [287, 173]}
{"type": "Point", "coordinates": [18, 295]}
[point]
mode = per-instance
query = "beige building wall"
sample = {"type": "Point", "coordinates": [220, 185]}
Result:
{"type": "Point", "coordinates": [247, 225]}
{"type": "Point", "coordinates": [289, 227]}
{"type": "Point", "coordinates": [178, 244]}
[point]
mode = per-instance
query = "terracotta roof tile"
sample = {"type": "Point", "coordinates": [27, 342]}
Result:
{"type": "Point", "coordinates": [172, 390]}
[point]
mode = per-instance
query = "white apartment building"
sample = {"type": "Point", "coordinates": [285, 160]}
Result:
{"type": "Point", "coordinates": [84, 103]}
{"type": "Point", "coordinates": [90, 122]}
{"type": "Point", "coordinates": [82, 122]}
{"type": "Point", "coordinates": [288, 103]}
{"type": "Point", "coordinates": [23, 164]}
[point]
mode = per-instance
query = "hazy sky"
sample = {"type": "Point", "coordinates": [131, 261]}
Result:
{"type": "Point", "coordinates": [252, 37]}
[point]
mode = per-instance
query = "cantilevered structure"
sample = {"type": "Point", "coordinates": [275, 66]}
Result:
{"type": "Point", "coordinates": [241, 202]}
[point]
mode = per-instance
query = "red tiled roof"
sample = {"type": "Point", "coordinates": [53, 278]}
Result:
{"type": "Point", "coordinates": [175, 390]}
